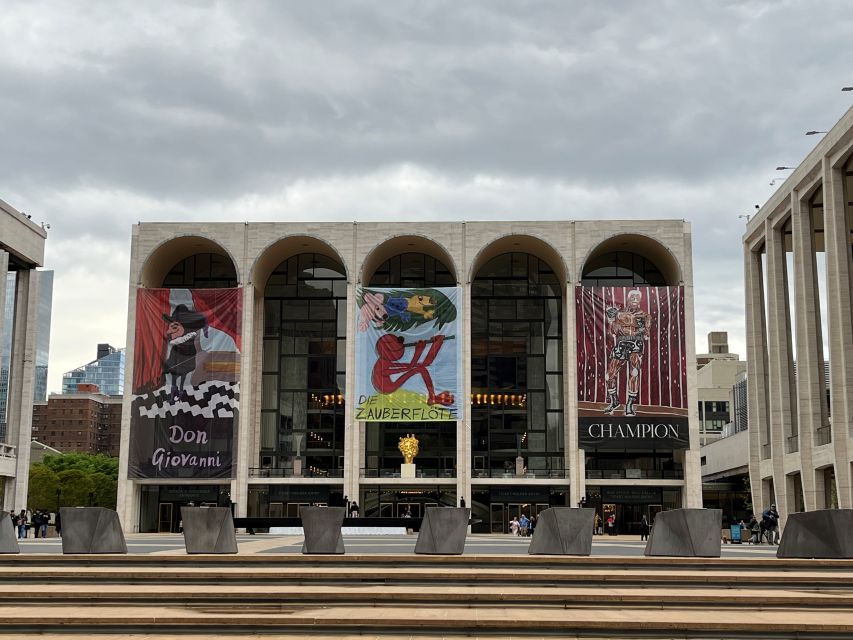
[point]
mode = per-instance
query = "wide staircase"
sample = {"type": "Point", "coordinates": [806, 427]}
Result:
{"type": "Point", "coordinates": [406, 596]}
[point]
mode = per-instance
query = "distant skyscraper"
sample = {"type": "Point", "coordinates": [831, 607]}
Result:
{"type": "Point", "coordinates": [106, 371]}
{"type": "Point", "coordinates": [45, 304]}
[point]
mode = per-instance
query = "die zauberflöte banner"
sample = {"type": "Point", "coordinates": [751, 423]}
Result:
{"type": "Point", "coordinates": [407, 355]}
{"type": "Point", "coordinates": [631, 368]}
{"type": "Point", "coordinates": [186, 383]}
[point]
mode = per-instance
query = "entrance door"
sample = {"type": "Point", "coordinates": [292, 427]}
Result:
{"type": "Point", "coordinates": [498, 518]}
{"type": "Point", "coordinates": [654, 509]}
{"type": "Point", "coordinates": [165, 518]}
{"type": "Point", "coordinates": [540, 508]}
{"type": "Point", "coordinates": [276, 509]}
{"type": "Point", "coordinates": [414, 508]}
{"type": "Point", "coordinates": [386, 510]}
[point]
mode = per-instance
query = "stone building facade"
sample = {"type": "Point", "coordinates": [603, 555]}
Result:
{"type": "Point", "coordinates": [799, 273]}
{"type": "Point", "coordinates": [464, 459]}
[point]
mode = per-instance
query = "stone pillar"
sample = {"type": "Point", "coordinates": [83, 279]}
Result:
{"type": "Point", "coordinates": [250, 384]}
{"type": "Point", "coordinates": [573, 457]}
{"type": "Point", "coordinates": [4, 272]}
{"type": "Point", "coordinates": [353, 443]}
{"type": "Point", "coordinates": [810, 378]}
{"type": "Point", "coordinates": [19, 404]}
{"type": "Point", "coordinates": [782, 419]}
{"type": "Point", "coordinates": [840, 321]}
{"type": "Point", "coordinates": [692, 498]}
{"type": "Point", "coordinates": [464, 461]}
{"type": "Point", "coordinates": [756, 363]}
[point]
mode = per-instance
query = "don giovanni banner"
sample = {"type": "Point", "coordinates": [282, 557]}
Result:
{"type": "Point", "coordinates": [632, 368]}
{"type": "Point", "coordinates": [407, 355]}
{"type": "Point", "coordinates": [186, 383]}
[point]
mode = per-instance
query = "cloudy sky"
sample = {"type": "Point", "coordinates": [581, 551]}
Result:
{"type": "Point", "coordinates": [115, 112]}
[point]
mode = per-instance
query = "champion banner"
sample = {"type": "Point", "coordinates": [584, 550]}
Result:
{"type": "Point", "coordinates": [407, 355]}
{"type": "Point", "coordinates": [632, 368]}
{"type": "Point", "coordinates": [186, 383]}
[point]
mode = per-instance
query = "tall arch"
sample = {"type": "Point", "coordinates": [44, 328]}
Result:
{"type": "Point", "coordinates": [520, 243]}
{"type": "Point", "coordinates": [174, 254]}
{"type": "Point", "coordinates": [406, 244]}
{"type": "Point", "coordinates": [630, 260]}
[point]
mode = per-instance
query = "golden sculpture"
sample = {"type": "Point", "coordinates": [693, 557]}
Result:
{"type": "Point", "coordinates": [408, 447]}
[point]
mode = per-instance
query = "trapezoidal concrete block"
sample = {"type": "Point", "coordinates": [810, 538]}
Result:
{"type": "Point", "coordinates": [818, 534]}
{"type": "Point", "coordinates": [208, 530]}
{"type": "Point", "coordinates": [91, 530]}
{"type": "Point", "coordinates": [443, 531]}
{"type": "Point", "coordinates": [322, 529]}
{"type": "Point", "coordinates": [8, 539]}
{"type": "Point", "coordinates": [689, 533]}
{"type": "Point", "coordinates": [563, 531]}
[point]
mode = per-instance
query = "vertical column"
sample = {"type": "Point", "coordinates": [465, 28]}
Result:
{"type": "Point", "coordinates": [126, 502]}
{"type": "Point", "coordinates": [692, 497]}
{"type": "Point", "coordinates": [249, 387]}
{"type": "Point", "coordinates": [810, 380]}
{"type": "Point", "coordinates": [463, 427]}
{"type": "Point", "coordinates": [838, 283]}
{"type": "Point", "coordinates": [779, 361]}
{"type": "Point", "coordinates": [574, 460]}
{"type": "Point", "coordinates": [19, 404]}
{"type": "Point", "coordinates": [352, 430]}
{"type": "Point", "coordinates": [4, 272]}
{"type": "Point", "coordinates": [756, 363]}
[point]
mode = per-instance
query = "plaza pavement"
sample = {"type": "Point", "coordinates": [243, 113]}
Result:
{"type": "Point", "coordinates": [486, 544]}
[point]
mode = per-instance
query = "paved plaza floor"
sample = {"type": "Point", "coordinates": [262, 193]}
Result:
{"type": "Point", "coordinates": [167, 544]}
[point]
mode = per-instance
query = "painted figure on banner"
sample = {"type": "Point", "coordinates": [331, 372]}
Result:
{"type": "Point", "coordinates": [629, 326]}
{"type": "Point", "coordinates": [186, 383]}
{"type": "Point", "coordinates": [631, 368]}
{"type": "Point", "coordinates": [407, 363]}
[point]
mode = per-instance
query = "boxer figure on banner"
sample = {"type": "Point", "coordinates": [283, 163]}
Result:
{"type": "Point", "coordinates": [629, 327]}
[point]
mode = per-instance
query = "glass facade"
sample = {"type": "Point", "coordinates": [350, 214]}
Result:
{"type": "Point", "coordinates": [43, 313]}
{"type": "Point", "coordinates": [437, 440]}
{"type": "Point", "coordinates": [106, 372]}
{"type": "Point", "coordinates": [304, 369]}
{"type": "Point", "coordinates": [621, 269]}
{"type": "Point", "coordinates": [517, 368]}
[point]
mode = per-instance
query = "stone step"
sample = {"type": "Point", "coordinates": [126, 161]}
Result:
{"type": "Point", "coordinates": [448, 575]}
{"type": "Point", "coordinates": [248, 596]}
{"type": "Point", "coordinates": [397, 621]}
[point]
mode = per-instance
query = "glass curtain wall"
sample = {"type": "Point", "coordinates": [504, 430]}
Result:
{"type": "Point", "coordinates": [437, 440]}
{"type": "Point", "coordinates": [304, 369]}
{"type": "Point", "coordinates": [517, 369]}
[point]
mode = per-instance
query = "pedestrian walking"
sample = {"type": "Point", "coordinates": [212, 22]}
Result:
{"type": "Point", "coordinates": [644, 529]}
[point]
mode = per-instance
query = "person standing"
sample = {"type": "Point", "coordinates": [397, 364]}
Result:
{"type": "Point", "coordinates": [644, 529]}
{"type": "Point", "coordinates": [21, 522]}
{"type": "Point", "coordinates": [514, 526]}
{"type": "Point", "coordinates": [596, 525]}
{"type": "Point", "coordinates": [45, 519]}
{"type": "Point", "coordinates": [770, 518]}
{"type": "Point", "coordinates": [353, 509]}
{"type": "Point", "coordinates": [523, 524]}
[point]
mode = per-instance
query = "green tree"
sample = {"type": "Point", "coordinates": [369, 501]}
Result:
{"type": "Point", "coordinates": [106, 489]}
{"type": "Point", "coordinates": [76, 485]}
{"type": "Point", "coordinates": [42, 491]}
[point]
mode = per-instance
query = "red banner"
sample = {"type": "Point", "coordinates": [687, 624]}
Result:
{"type": "Point", "coordinates": [631, 360]}
{"type": "Point", "coordinates": [186, 383]}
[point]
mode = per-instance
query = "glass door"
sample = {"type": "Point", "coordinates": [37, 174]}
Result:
{"type": "Point", "coordinates": [498, 518]}
{"type": "Point", "coordinates": [165, 518]}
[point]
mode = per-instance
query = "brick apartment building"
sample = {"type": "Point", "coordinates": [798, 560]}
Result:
{"type": "Point", "coordinates": [84, 422]}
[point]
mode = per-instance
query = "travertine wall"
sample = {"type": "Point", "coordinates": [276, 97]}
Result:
{"type": "Point", "coordinates": [256, 248]}
{"type": "Point", "coordinates": [792, 430]}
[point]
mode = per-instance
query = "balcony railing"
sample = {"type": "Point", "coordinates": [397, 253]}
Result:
{"type": "Point", "coordinates": [635, 474]}
{"type": "Point", "coordinates": [792, 444]}
{"type": "Point", "coordinates": [823, 435]}
{"type": "Point", "coordinates": [529, 474]}
{"type": "Point", "coordinates": [287, 472]}
{"type": "Point", "coordinates": [394, 472]}
{"type": "Point", "coordinates": [8, 450]}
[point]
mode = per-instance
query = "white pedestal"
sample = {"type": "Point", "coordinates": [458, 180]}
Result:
{"type": "Point", "coordinates": [297, 467]}
{"type": "Point", "coordinates": [407, 470]}
{"type": "Point", "coordinates": [519, 467]}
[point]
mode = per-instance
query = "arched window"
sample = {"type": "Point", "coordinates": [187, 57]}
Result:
{"type": "Point", "coordinates": [621, 269]}
{"type": "Point", "coordinates": [516, 367]}
{"type": "Point", "coordinates": [304, 368]}
{"type": "Point", "coordinates": [202, 271]}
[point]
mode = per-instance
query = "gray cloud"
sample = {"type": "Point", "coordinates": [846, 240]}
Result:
{"type": "Point", "coordinates": [111, 114]}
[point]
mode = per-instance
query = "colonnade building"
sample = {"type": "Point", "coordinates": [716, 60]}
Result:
{"type": "Point", "coordinates": [21, 252]}
{"type": "Point", "coordinates": [569, 371]}
{"type": "Point", "coordinates": [798, 252]}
